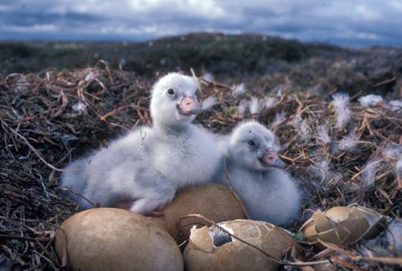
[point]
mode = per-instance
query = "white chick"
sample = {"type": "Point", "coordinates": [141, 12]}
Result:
{"type": "Point", "coordinates": [252, 163]}
{"type": "Point", "coordinates": [143, 169]}
{"type": "Point", "coordinates": [119, 173]}
{"type": "Point", "coordinates": [183, 152]}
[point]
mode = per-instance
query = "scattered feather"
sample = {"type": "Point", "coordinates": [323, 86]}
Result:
{"type": "Point", "coordinates": [254, 105]}
{"type": "Point", "coordinates": [370, 100]}
{"type": "Point", "coordinates": [22, 83]}
{"type": "Point", "coordinates": [322, 133]}
{"type": "Point", "coordinates": [392, 151]}
{"type": "Point", "coordinates": [304, 131]}
{"type": "Point", "coordinates": [296, 121]}
{"type": "Point", "coordinates": [239, 89]}
{"type": "Point", "coordinates": [395, 105]}
{"type": "Point", "coordinates": [398, 165]}
{"type": "Point", "coordinates": [394, 235]}
{"type": "Point", "coordinates": [122, 63]}
{"type": "Point", "coordinates": [398, 172]}
{"type": "Point", "coordinates": [369, 172]}
{"type": "Point", "coordinates": [241, 108]}
{"type": "Point", "coordinates": [279, 92]}
{"type": "Point", "coordinates": [270, 102]}
{"type": "Point", "coordinates": [89, 77]}
{"type": "Point", "coordinates": [208, 76]}
{"type": "Point", "coordinates": [342, 112]}
{"type": "Point", "coordinates": [209, 102]}
{"type": "Point", "coordinates": [80, 108]}
{"type": "Point", "coordinates": [348, 143]}
{"type": "Point", "coordinates": [279, 119]}
{"type": "Point", "coordinates": [322, 168]}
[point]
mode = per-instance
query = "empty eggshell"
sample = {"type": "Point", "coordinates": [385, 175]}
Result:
{"type": "Point", "coordinates": [215, 202]}
{"type": "Point", "coordinates": [343, 225]}
{"type": "Point", "coordinates": [115, 239]}
{"type": "Point", "coordinates": [212, 249]}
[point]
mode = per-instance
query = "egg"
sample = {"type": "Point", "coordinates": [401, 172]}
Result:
{"type": "Point", "coordinates": [115, 239]}
{"type": "Point", "coordinates": [213, 201]}
{"type": "Point", "coordinates": [213, 249]}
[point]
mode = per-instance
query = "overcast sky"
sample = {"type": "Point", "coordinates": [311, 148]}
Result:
{"type": "Point", "coordinates": [344, 22]}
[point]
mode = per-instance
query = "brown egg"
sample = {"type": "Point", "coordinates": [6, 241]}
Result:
{"type": "Point", "coordinates": [215, 202]}
{"type": "Point", "coordinates": [115, 239]}
{"type": "Point", "coordinates": [213, 249]}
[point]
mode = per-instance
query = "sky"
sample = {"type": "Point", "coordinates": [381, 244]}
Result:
{"type": "Point", "coordinates": [356, 23]}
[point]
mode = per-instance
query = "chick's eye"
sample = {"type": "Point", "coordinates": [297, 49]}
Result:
{"type": "Point", "coordinates": [170, 91]}
{"type": "Point", "coordinates": [251, 143]}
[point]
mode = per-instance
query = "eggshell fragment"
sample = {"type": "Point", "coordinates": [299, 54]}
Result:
{"type": "Point", "coordinates": [115, 239]}
{"type": "Point", "coordinates": [343, 225]}
{"type": "Point", "coordinates": [207, 251]}
{"type": "Point", "coordinates": [215, 202]}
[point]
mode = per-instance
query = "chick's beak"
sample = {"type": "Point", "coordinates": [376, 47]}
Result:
{"type": "Point", "coordinates": [189, 106]}
{"type": "Point", "coordinates": [272, 159]}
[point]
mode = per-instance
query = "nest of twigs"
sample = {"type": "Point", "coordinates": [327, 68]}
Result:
{"type": "Point", "coordinates": [49, 118]}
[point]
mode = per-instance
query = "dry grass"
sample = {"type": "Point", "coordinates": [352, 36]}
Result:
{"type": "Point", "coordinates": [51, 117]}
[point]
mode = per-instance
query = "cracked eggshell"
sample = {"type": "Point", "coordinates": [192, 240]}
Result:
{"type": "Point", "coordinates": [215, 202]}
{"type": "Point", "coordinates": [202, 254]}
{"type": "Point", "coordinates": [115, 239]}
{"type": "Point", "coordinates": [343, 225]}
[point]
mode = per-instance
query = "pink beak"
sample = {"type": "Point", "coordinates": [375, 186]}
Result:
{"type": "Point", "coordinates": [189, 106]}
{"type": "Point", "coordinates": [272, 159]}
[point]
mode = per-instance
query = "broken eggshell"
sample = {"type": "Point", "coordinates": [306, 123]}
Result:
{"type": "Point", "coordinates": [343, 225]}
{"type": "Point", "coordinates": [213, 201]}
{"type": "Point", "coordinates": [115, 239]}
{"type": "Point", "coordinates": [214, 249]}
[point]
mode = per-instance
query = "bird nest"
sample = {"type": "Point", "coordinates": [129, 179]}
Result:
{"type": "Point", "coordinates": [340, 153]}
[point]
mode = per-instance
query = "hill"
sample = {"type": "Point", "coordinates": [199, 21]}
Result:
{"type": "Point", "coordinates": [317, 67]}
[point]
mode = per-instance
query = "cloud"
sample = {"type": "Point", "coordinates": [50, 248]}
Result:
{"type": "Point", "coordinates": [359, 22]}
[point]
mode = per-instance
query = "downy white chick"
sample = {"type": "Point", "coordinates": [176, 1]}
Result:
{"type": "Point", "coordinates": [183, 152]}
{"type": "Point", "coordinates": [143, 169]}
{"type": "Point", "coordinates": [119, 173]}
{"type": "Point", "coordinates": [252, 163]}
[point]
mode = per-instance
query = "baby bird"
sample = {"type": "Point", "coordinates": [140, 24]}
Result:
{"type": "Point", "coordinates": [183, 152]}
{"type": "Point", "coordinates": [144, 169]}
{"type": "Point", "coordinates": [252, 163]}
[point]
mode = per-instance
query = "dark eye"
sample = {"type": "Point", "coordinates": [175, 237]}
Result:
{"type": "Point", "coordinates": [251, 143]}
{"type": "Point", "coordinates": [170, 91]}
